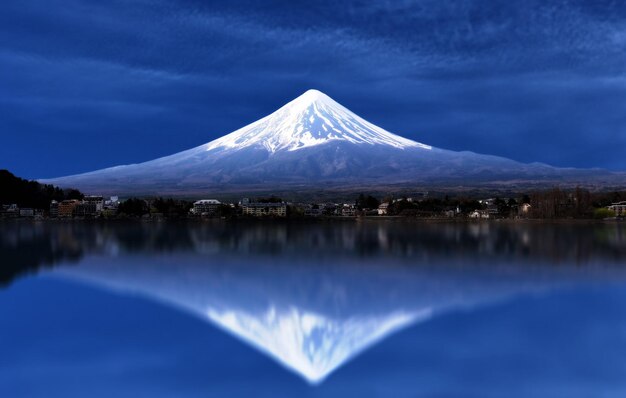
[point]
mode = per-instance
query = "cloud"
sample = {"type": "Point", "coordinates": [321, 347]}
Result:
{"type": "Point", "coordinates": [534, 81]}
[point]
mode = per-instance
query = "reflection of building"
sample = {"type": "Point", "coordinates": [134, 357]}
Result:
{"type": "Point", "coordinates": [66, 207]}
{"type": "Point", "coordinates": [619, 208]}
{"type": "Point", "coordinates": [205, 207]}
{"type": "Point", "coordinates": [264, 209]}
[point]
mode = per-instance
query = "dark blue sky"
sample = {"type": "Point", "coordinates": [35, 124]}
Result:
{"type": "Point", "coordinates": [90, 84]}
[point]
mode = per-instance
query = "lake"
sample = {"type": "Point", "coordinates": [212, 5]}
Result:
{"type": "Point", "coordinates": [318, 309]}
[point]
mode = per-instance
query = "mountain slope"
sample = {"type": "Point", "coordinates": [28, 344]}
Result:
{"type": "Point", "coordinates": [311, 143]}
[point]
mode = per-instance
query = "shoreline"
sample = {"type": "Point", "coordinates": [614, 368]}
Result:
{"type": "Point", "coordinates": [312, 220]}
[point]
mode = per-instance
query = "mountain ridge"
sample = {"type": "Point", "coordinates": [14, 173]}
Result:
{"type": "Point", "coordinates": [313, 142]}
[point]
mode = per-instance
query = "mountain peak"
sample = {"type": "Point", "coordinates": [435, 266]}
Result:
{"type": "Point", "coordinates": [310, 98]}
{"type": "Point", "coordinates": [309, 120]}
{"type": "Point", "coordinates": [313, 95]}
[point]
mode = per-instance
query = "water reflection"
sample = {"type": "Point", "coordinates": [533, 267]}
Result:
{"type": "Point", "coordinates": [313, 296]}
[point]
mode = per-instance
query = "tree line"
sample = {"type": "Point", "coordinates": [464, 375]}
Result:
{"type": "Point", "coordinates": [25, 193]}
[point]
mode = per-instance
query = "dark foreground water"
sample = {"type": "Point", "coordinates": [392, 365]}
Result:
{"type": "Point", "coordinates": [338, 309]}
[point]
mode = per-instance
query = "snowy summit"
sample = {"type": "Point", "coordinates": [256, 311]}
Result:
{"type": "Point", "coordinates": [311, 119]}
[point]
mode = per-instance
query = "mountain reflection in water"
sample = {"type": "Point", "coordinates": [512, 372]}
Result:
{"type": "Point", "coordinates": [314, 295]}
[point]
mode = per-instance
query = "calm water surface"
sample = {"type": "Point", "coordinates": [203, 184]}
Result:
{"type": "Point", "coordinates": [328, 309]}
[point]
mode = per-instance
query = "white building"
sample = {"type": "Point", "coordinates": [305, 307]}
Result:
{"type": "Point", "coordinates": [479, 214]}
{"type": "Point", "coordinates": [111, 204]}
{"type": "Point", "coordinates": [382, 209]}
{"type": "Point", "coordinates": [205, 207]}
{"type": "Point", "coordinates": [260, 209]}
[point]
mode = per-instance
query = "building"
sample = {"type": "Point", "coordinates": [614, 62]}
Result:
{"type": "Point", "coordinates": [205, 207]}
{"type": "Point", "coordinates": [66, 207]}
{"type": "Point", "coordinates": [479, 214]}
{"type": "Point", "coordinates": [493, 210]}
{"type": "Point", "coordinates": [54, 209]}
{"type": "Point", "coordinates": [619, 208]}
{"type": "Point", "coordinates": [487, 202]}
{"type": "Point", "coordinates": [524, 209]}
{"type": "Point", "coordinates": [112, 202]}
{"type": "Point", "coordinates": [264, 209]}
{"type": "Point", "coordinates": [96, 200]}
{"type": "Point", "coordinates": [348, 210]}
{"type": "Point", "coordinates": [9, 211]}
{"type": "Point", "coordinates": [449, 213]}
{"type": "Point", "coordinates": [314, 210]}
{"type": "Point", "coordinates": [110, 206]}
{"type": "Point", "coordinates": [86, 209]}
{"type": "Point", "coordinates": [383, 208]}
{"type": "Point", "coordinates": [27, 212]}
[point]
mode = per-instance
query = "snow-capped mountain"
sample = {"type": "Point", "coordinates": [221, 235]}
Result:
{"type": "Point", "coordinates": [311, 119]}
{"type": "Point", "coordinates": [313, 142]}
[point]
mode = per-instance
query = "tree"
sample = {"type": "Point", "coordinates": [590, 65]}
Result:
{"type": "Point", "coordinates": [133, 207]}
{"type": "Point", "coordinates": [602, 213]}
{"type": "Point", "coordinates": [225, 211]}
{"type": "Point", "coordinates": [467, 206]}
{"type": "Point", "coordinates": [27, 193]}
{"type": "Point", "coordinates": [367, 202]}
{"type": "Point", "coordinates": [402, 207]}
{"type": "Point", "coordinates": [73, 194]}
{"type": "Point", "coordinates": [171, 207]}
{"type": "Point", "coordinates": [503, 207]}
{"type": "Point", "coordinates": [271, 199]}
